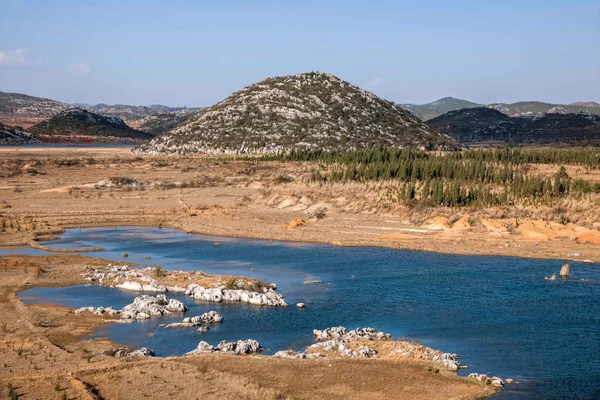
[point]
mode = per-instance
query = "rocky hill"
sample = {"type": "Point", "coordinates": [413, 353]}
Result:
{"type": "Point", "coordinates": [162, 122]}
{"type": "Point", "coordinates": [438, 107]}
{"type": "Point", "coordinates": [11, 135]}
{"type": "Point", "coordinates": [306, 111]}
{"type": "Point", "coordinates": [23, 110]}
{"type": "Point", "coordinates": [481, 126]}
{"type": "Point", "coordinates": [79, 125]}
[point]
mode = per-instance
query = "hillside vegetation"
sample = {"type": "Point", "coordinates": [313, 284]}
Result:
{"type": "Point", "coordinates": [305, 111]}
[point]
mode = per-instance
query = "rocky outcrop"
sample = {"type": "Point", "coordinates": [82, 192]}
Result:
{"type": "Point", "coordinates": [217, 295]}
{"type": "Point", "coordinates": [339, 339]}
{"type": "Point", "coordinates": [145, 280]}
{"type": "Point", "coordinates": [494, 381]}
{"type": "Point", "coordinates": [98, 310]}
{"type": "Point", "coordinates": [341, 333]}
{"type": "Point", "coordinates": [290, 354]}
{"type": "Point", "coordinates": [211, 317]}
{"type": "Point", "coordinates": [418, 352]}
{"type": "Point", "coordinates": [144, 307]}
{"type": "Point", "coordinates": [240, 347]}
{"type": "Point", "coordinates": [126, 352]}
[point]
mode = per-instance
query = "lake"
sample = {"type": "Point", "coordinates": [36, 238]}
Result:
{"type": "Point", "coordinates": [498, 313]}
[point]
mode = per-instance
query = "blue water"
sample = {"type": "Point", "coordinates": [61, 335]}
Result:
{"type": "Point", "coordinates": [498, 313]}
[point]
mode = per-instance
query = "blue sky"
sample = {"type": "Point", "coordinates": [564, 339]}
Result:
{"type": "Point", "coordinates": [196, 53]}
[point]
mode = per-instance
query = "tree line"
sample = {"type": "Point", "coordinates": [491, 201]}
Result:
{"type": "Point", "coordinates": [469, 178]}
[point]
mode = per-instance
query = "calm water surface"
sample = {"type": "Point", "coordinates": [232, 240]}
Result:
{"type": "Point", "coordinates": [498, 313]}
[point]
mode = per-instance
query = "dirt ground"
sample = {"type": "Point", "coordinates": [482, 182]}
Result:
{"type": "Point", "coordinates": [44, 356]}
{"type": "Point", "coordinates": [44, 190]}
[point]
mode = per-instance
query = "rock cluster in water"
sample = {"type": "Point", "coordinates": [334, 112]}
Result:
{"type": "Point", "coordinates": [211, 317]}
{"type": "Point", "coordinates": [248, 346]}
{"type": "Point", "coordinates": [494, 381]}
{"type": "Point", "coordinates": [140, 280]}
{"type": "Point", "coordinates": [143, 307]}
{"type": "Point", "coordinates": [267, 298]}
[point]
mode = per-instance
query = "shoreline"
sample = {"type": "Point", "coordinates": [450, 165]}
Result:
{"type": "Point", "coordinates": [412, 244]}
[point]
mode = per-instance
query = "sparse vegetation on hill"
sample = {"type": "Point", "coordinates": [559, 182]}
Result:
{"type": "Point", "coordinates": [305, 111]}
{"type": "Point", "coordinates": [485, 126]}
{"type": "Point", "coordinates": [77, 124]}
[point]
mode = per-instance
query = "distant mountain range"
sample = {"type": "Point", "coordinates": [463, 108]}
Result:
{"type": "Point", "coordinates": [132, 113]}
{"type": "Point", "coordinates": [305, 111]}
{"type": "Point", "coordinates": [79, 125]}
{"type": "Point", "coordinates": [523, 108]}
{"type": "Point", "coordinates": [23, 110]}
{"type": "Point", "coordinates": [488, 126]}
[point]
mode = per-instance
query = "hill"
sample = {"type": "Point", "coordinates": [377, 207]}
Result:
{"type": "Point", "coordinates": [306, 111]}
{"type": "Point", "coordinates": [162, 122]}
{"type": "Point", "coordinates": [11, 135]}
{"type": "Point", "coordinates": [79, 125]}
{"type": "Point", "coordinates": [480, 126]}
{"type": "Point", "coordinates": [23, 110]}
{"type": "Point", "coordinates": [438, 107]}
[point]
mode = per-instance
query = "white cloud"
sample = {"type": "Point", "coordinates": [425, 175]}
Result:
{"type": "Point", "coordinates": [15, 58]}
{"type": "Point", "coordinates": [81, 68]}
{"type": "Point", "coordinates": [378, 82]}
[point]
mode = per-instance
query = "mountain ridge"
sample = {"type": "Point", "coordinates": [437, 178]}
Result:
{"type": "Point", "coordinates": [521, 108]}
{"type": "Point", "coordinates": [483, 125]}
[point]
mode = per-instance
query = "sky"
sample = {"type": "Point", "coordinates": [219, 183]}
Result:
{"type": "Point", "coordinates": [196, 53]}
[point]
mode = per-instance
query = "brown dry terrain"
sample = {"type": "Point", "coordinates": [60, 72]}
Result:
{"type": "Point", "coordinates": [44, 357]}
{"type": "Point", "coordinates": [45, 190]}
